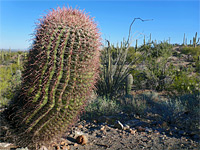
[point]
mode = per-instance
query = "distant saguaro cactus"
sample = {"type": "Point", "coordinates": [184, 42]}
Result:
{"type": "Point", "coordinates": [144, 40]}
{"type": "Point", "coordinates": [60, 73]}
{"type": "Point", "coordinates": [184, 40]}
{"type": "Point", "coordinates": [136, 45]}
{"type": "Point", "coordinates": [195, 41]}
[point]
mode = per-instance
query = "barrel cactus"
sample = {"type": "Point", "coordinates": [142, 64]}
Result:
{"type": "Point", "coordinates": [58, 77]}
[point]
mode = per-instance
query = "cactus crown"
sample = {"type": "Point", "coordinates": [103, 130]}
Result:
{"type": "Point", "coordinates": [59, 75]}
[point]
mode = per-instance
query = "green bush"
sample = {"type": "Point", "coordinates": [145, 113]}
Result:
{"type": "Point", "coordinates": [194, 51]}
{"type": "Point", "coordinates": [156, 72]}
{"type": "Point", "coordinates": [157, 50]}
{"type": "Point", "coordinates": [102, 106]}
{"type": "Point", "coordinates": [10, 79]}
{"type": "Point", "coordinates": [10, 75]}
{"type": "Point", "coordinates": [184, 83]}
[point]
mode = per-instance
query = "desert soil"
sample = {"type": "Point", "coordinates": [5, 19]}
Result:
{"type": "Point", "coordinates": [120, 132]}
{"type": "Point", "coordinates": [136, 135]}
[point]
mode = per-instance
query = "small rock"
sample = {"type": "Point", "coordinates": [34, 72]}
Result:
{"type": "Point", "coordinates": [140, 129]}
{"type": "Point", "coordinates": [144, 139]}
{"type": "Point", "coordinates": [164, 124]}
{"type": "Point", "coordinates": [127, 127]}
{"type": "Point", "coordinates": [156, 132]}
{"type": "Point", "coordinates": [82, 139]}
{"type": "Point", "coordinates": [133, 131]}
{"type": "Point", "coordinates": [118, 125]}
{"type": "Point", "coordinates": [170, 133]}
{"type": "Point", "coordinates": [148, 130]}
{"type": "Point", "coordinates": [56, 147]}
{"type": "Point", "coordinates": [4, 144]}
{"type": "Point", "coordinates": [80, 126]}
{"type": "Point", "coordinates": [77, 133]}
{"type": "Point", "coordinates": [63, 145]}
{"type": "Point", "coordinates": [42, 148]}
{"type": "Point", "coordinates": [27, 148]}
{"type": "Point", "coordinates": [102, 128]}
{"type": "Point", "coordinates": [94, 121]}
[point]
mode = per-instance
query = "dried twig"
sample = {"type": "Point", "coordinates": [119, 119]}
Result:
{"type": "Point", "coordinates": [132, 24]}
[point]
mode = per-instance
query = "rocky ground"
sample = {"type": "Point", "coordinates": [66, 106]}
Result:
{"type": "Point", "coordinates": [120, 132]}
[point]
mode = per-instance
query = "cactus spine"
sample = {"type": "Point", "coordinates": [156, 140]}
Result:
{"type": "Point", "coordinates": [60, 73]}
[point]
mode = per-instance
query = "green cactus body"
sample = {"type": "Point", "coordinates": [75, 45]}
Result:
{"type": "Point", "coordinates": [195, 40]}
{"type": "Point", "coordinates": [2, 55]}
{"type": "Point", "coordinates": [60, 73]}
{"type": "Point", "coordinates": [184, 39]}
{"type": "Point", "coordinates": [129, 84]}
{"type": "Point", "coordinates": [136, 45]}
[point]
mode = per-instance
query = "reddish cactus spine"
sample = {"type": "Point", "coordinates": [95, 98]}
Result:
{"type": "Point", "coordinates": [59, 75]}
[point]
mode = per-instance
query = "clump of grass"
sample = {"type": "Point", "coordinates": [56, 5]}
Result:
{"type": "Point", "coordinates": [132, 104]}
{"type": "Point", "coordinates": [101, 106]}
{"type": "Point", "coordinates": [182, 111]}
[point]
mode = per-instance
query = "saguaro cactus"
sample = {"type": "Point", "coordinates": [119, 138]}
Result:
{"type": "Point", "coordinates": [195, 41]}
{"type": "Point", "coordinates": [129, 84]}
{"type": "Point", "coordinates": [60, 73]}
{"type": "Point", "coordinates": [184, 40]}
{"type": "Point", "coordinates": [136, 45]}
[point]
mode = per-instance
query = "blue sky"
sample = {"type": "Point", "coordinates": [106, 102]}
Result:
{"type": "Point", "coordinates": [170, 19]}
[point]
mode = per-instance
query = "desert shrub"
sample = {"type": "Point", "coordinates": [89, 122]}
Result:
{"type": "Point", "coordinates": [156, 72]}
{"type": "Point", "coordinates": [157, 50]}
{"type": "Point", "coordinates": [182, 111]}
{"type": "Point", "coordinates": [10, 79]}
{"type": "Point", "coordinates": [194, 51]}
{"type": "Point", "coordinates": [135, 104]}
{"type": "Point", "coordinates": [140, 79]}
{"type": "Point", "coordinates": [159, 74]}
{"type": "Point", "coordinates": [185, 110]}
{"type": "Point", "coordinates": [101, 106]}
{"type": "Point", "coordinates": [185, 83]}
{"type": "Point", "coordinates": [114, 70]}
{"type": "Point", "coordinates": [10, 76]}
{"type": "Point", "coordinates": [197, 65]}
